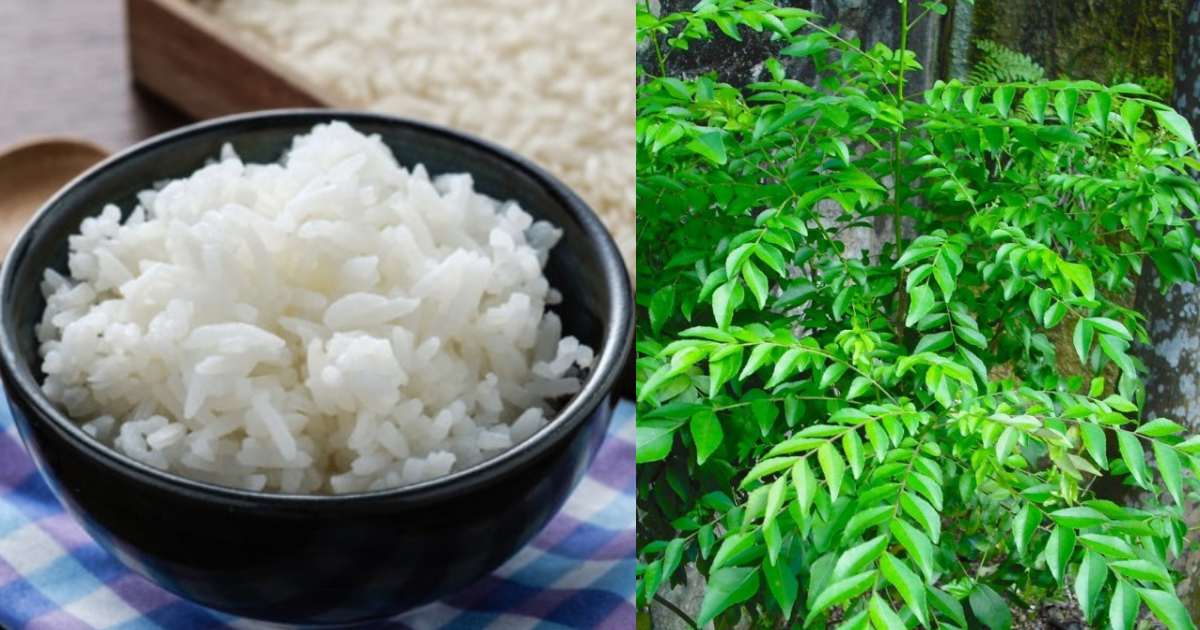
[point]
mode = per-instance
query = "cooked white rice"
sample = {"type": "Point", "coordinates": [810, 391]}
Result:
{"type": "Point", "coordinates": [330, 323]}
{"type": "Point", "coordinates": [553, 80]}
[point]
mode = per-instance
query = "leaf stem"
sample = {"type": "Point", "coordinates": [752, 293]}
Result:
{"type": "Point", "coordinates": [662, 61]}
{"type": "Point", "coordinates": [678, 612]}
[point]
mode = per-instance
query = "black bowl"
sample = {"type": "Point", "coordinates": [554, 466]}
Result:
{"type": "Point", "coordinates": [306, 558]}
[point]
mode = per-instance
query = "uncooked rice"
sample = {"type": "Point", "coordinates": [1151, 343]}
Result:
{"type": "Point", "coordinates": [552, 80]}
{"type": "Point", "coordinates": [331, 323]}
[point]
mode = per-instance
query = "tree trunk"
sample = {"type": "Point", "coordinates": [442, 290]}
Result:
{"type": "Point", "coordinates": [1173, 320]}
{"type": "Point", "coordinates": [962, 21]}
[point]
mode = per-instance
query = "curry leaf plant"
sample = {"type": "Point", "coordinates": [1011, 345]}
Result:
{"type": "Point", "coordinates": [909, 436]}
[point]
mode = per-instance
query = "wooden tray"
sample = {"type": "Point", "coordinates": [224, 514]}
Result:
{"type": "Point", "coordinates": [180, 53]}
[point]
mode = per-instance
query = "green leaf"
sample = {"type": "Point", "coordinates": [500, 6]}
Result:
{"type": "Point", "coordinates": [1123, 609]}
{"type": "Point", "coordinates": [852, 446]}
{"type": "Point", "coordinates": [1143, 570]}
{"type": "Point", "coordinates": [944, 277]}
{"type": "Point", "coordinates": [859, 556]}
{"type": "Point", "coordinates": [1131, 113]}
{"type": "Point", "coordinates": [784, 367]}
{"type": "Point", "coordinates": [1089, 580]}
{"type": "Point", "coordinates": [1006, 442]}
{"type": "Point", "coordinates": [671, 558]}
{"type": "Point", "coordinates": [706, 433]}
{"type": "Point", "coordinates": [734, 545]}
{"type": "Point", "coordinates": [858, 621]}
{"type": "Point", "coordinates": [1025, 525]}
{"type": "Point", "coordinates": [758, 357]}
{"type": "Point", "coordinates": [1176, 124]}
{"type": "Point", "coordinates": [1035, 100]}
{"type": "Point", "coordinates": [727, 587]}
{"type": "Point", "coordinates": [920, 304]}
{"type": "Point", "coordinates": [737, 258]}
{"type": "Point", "coordinates": [882, 615]}
{"type": "Point", "coordinates": [918, 546]}
{"type": "Point", "coordinates": [832, 467]}
{"type": "Point", "coordinates": [805, 47]}
{"type": "Point", "coordinates": [1118, 402]}
{"type": "Point", "coordinates": [831, 375]}
{"type": "Point", "coordinates": [913, 254]}
{"type": "Point", "coordinates": [906, 582]}
{"type": "Point", "coordinates": [879, 440]}
{"type": "Point", "coordinates": [756, 280]}
{"type": "Point", "coordinates": [1135, 457]}
{"type": "Point", "coordinates": [990, 608]}
{"type": "Point", "coordinates": [775, 501]}
{"type": "Point", "coordinates": [923, 513]}
{"type": "Point", "coordinates": [1114, 348]}
{"type": "Point", "coordinates": [1003, 98]}
{"type": "Point", "coordinates": [840, 592]}
{"type": "Point", "coordinates": [805, 483]}
{"type": "Point", "coordinates": [971, 336]}
{"type": "Point", "coordinates": [1167, 607]}
{"type": "Point", "coordinates": [652, 578]}
{"type": "Point", "coordinates": [1099, 107]}
{"type": "Point", "coordinates": [1064, 105]}
{"type": "Point", "coordinates": [774, 540]}
{"type": "Point", "coordinates": [765, 412]}
{"type": "Point", "coordinates": [767, 467]}
{"type": "Point", "coordinates": [783, 585]}
{"type": "Point", "coordinates": [1078, 517]}
{"type": "Point", "coordinates": [1081, 277]}
{"type": "Point", "coordinates": [864, 519]}
{"type": "Point", "coordinates": [706, 538]}
{"type": "Point", "coordinates": [927, 487]}
{"type": "Point", "coordinates": [713, 280]}
{"type": "Point", "coordinates": [1109, 546]}
{"type": "Point", "coordinates": [723, 304]}
{"type": "Point", "coordinates": [1190, 446]}
{"type": "Point", "coordinates": [1059, 548]}
{"type": "Point", "coordinates": [654, 439]}
{"type": "Point", "coordinates": [1169, 469]}
{"type": "Point", "coordinates": [1110, 326]}
{"type": "Point", "coordinates": [710, 145]}
{"type": "Point", "coordinates": [946, 604]}
{"type": "Point", "coordinates": [1159, 427]}
{"type": "Point", "coordinates": [1095, 442]}
{"type": "Point", "coordinates": [1054, 314]}
{"type": "Point", "coordinates": [661, 307]}
{"type": "Point", "coordinates": [1082, 340]}
{"type": "Point", "coordinates": [859, 386]}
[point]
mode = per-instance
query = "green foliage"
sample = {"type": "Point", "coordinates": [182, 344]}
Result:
{"type": "Point", "coordinates": [999, 63]}
{"type": "Point", "coordinates": [1161, 86]}
{"type": "Point", "coordinates": [905, 437]}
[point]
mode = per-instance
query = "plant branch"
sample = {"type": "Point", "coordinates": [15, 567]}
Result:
{"type": "Point", "coordinates": [678, 612]}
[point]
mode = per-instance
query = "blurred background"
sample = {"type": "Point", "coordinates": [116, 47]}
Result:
{"type": "Point", "coordinates": [552, 80]}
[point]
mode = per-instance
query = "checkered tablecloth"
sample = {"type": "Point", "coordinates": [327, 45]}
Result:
{"type": "Point", "coordinates": [578, 573]}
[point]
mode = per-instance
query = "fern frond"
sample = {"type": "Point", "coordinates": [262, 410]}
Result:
{"type": "Point", "coordinates": [1000, 64]}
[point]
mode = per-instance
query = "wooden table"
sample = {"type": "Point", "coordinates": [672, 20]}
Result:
{"type": "Point", "coordinates": [64, 70]}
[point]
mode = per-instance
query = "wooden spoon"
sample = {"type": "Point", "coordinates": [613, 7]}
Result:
{"type": "Point", "coordinates": [31, 172]}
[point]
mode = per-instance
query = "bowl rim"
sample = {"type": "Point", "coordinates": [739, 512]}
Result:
{"type": "Point", "coordinates": [617, 342]}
